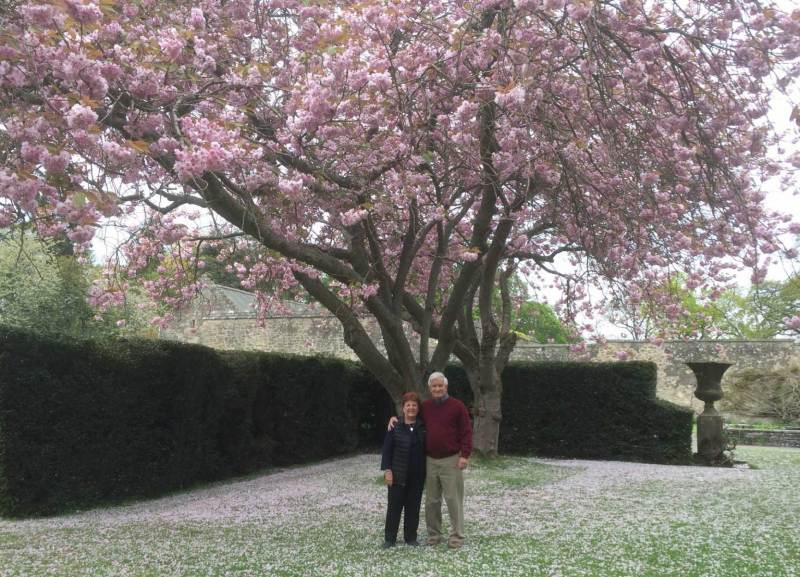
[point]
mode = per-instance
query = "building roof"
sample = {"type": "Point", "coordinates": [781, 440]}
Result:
{"type": "Point", "coordinates": [236, 303]}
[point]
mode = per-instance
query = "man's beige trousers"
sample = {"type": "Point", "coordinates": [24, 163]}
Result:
{"type": "Point", "coordinates": [444, 480]}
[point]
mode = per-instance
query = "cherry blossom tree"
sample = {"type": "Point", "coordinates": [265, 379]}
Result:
{"type": "Point", "coordinates": [401, 160]}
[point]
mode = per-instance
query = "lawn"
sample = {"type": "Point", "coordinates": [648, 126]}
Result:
{"type": "Point", "coordinates": [525, 517]}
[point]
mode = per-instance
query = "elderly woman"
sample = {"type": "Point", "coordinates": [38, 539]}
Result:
{"type": "Point", "coordinates": [403, 463]}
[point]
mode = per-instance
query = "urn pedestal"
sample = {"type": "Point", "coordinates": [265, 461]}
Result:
{"type": "Point", "coordinates": [710, 438]}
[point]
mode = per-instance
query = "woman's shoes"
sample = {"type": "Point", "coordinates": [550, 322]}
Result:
{"type": "Point", "coordinates": [390, 544]}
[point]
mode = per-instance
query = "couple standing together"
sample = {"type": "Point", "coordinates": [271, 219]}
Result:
{"type": "Point", "coordinates": [427, 447]}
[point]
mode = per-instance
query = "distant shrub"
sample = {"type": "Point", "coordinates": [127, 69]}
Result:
{"type": "Point", "coordinates": [758, 393]}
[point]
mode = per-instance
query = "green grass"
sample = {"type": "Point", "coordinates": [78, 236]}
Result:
{"type": "Point", "coordinates": [508, 473]}
{"type": "Point", "coordinates": [525, 517]}
{"type": "Point", "coordinates": [766, 425]}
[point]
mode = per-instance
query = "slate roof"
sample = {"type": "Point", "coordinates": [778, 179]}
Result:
{"type": "Point", "coordinates": [242, 304]}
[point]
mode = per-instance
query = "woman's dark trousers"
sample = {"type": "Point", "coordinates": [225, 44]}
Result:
{"type": "Point", "coordinates": [406, 497]}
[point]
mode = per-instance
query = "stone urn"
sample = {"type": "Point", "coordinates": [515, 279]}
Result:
{"type": "Point", "coordinates": [710, 439]}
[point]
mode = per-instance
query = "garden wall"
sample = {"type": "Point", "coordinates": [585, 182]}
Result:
{"type": "Point", "coordinates": [225, 318]}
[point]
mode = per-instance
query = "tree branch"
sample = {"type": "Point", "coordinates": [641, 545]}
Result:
{"type": "Point", "coordinates": [354, 334]}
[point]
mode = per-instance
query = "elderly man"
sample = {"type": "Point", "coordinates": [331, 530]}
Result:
{"type": "Point", "coordinates": [448, 446]}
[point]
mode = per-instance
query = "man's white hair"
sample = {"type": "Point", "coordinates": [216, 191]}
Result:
{"type": "Point", "coordinates": [437, 376]}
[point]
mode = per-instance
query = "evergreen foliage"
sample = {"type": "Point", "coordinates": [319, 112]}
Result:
{"type": "Point", "coordinates": [86, 422]}
{"type": "Point", "coordinates": [587, 411]}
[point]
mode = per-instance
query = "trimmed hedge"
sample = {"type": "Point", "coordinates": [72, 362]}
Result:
{"type": "Point", "coordinates": [83, 423]}
{"type": "Point", "coordinates": [587, 411]}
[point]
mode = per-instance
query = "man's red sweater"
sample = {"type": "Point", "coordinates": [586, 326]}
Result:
{"type": "Point", "coordinates": [448, 428]}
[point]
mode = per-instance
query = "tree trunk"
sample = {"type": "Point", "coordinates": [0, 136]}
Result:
{"type": "Point", "coordinates": [488, 414]}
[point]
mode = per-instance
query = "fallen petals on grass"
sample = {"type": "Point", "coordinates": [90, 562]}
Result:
{"type": "Point", "coordinates": [525, 517]}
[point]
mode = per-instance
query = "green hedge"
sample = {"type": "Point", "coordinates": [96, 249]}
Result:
{"type": "Point", "coordinates": [587, 411]}
{"type": "Point", "coordinates": [83, 423]}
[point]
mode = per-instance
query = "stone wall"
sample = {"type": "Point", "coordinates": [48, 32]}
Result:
{"type": "Point", "coordinates": [223, 318]}
{"type": "Point", "coordinates": [676, 381]}
{"type": "Point", "coordinates": [299, 335]}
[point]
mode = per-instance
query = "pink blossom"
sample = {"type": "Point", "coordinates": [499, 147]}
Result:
{"type": "Point", "coordinates": [171, 45]}
{"type": "Point", "coordinates": [607, 155]}
{"type": "Point", "coordinates": [31, 153]}
{"type": "Point", "coordinates": [758, 275]}
{"type": "Point", "coordinates": [81, 234]}
{"type": "Point", "coordinates": [369, 290]}
{"type": "Point", "coordinates": [83, 12]}
{"type": "Point", "coordinates": [197, 19]}
{"type": "Point", "coordinates": [381, 81]}
{"type": "Point", "coordinates": [650, 178]}
{"type": "Point", "coordinates": [80, 116]}
{"type": "Point", "coordinates": [55, 163]}
{"type": "Point", "coordinates": [291, 187]}
{"type": "Point", "coordinates": [353, 216]}
{"type": "Point", "coordinates": [469, 255]}
{"type": "Point", "coordinates": [117, 153]}
{"type": "Point", "coordinates": [42, 15]}
{"type": "Point", "coordinates": [514, 96]}
{"type": "Point", "coordinates": [466, 111]}
{"type": "Point", "coordinates": [579, 10]}
{"type": "Point", "coordinates": [792, 323]}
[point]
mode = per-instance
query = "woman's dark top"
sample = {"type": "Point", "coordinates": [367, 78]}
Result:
{"type": "Point", "coordinates": [404, 451]}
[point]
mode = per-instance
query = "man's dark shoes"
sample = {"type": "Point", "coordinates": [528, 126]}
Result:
{"type": "Point", "coordinates": [413, 543]}
{"type": "Point", "coordinates": [387, 545]}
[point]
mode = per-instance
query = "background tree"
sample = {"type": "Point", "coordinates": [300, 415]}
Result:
{"type": "Point", "coordinates": [673, 311]}
{"type": "Point", "coordinates": [539, 322]}
{"type": "Point", "coordinates": [763, 311]}
{"type": "Point", "coordinates": [402, 159]}
{"type": "Point", "coordinates": [44, 288]}
{"type": "Point", "coordinates": [530, 319]}
{"type": "Point", "coordinates": [772, 394]}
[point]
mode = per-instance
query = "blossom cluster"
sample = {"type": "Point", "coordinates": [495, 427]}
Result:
{"type": "Point", "coordinates": [388, 145]}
